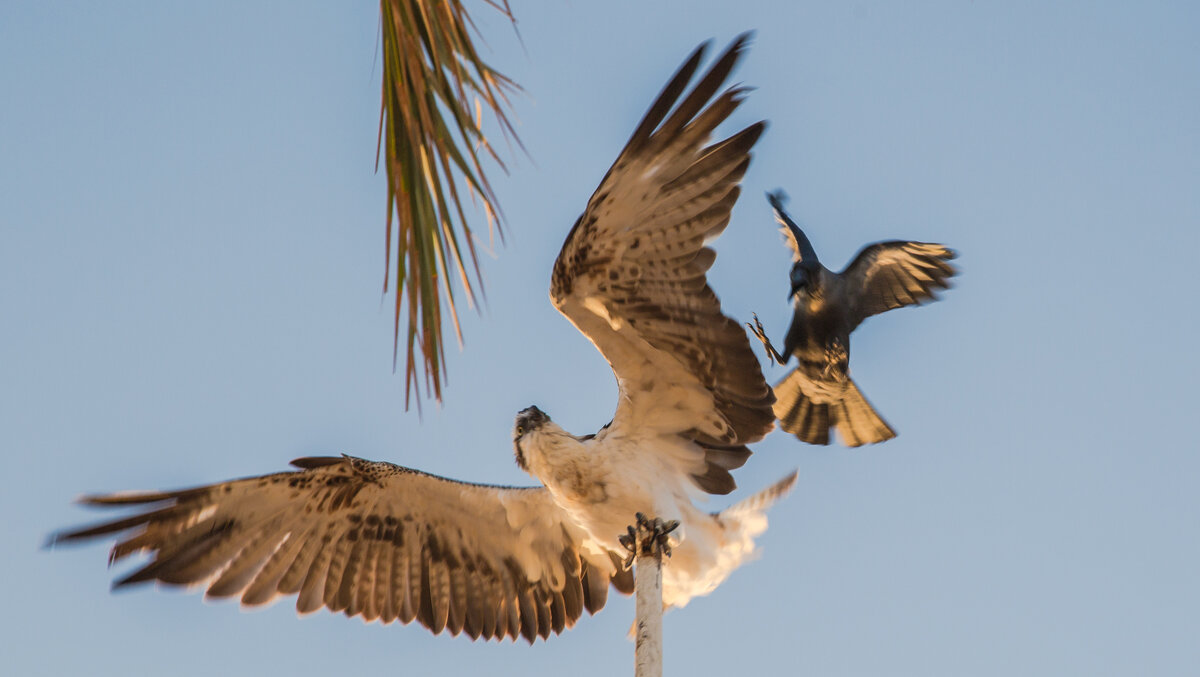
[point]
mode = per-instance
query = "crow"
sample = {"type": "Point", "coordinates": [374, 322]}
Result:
{"type": "Point", "coordinates": [818, 395]}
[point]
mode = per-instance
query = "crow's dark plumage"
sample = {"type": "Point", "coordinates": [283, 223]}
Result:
{"type": "Point", "coordinates": [818, 395]}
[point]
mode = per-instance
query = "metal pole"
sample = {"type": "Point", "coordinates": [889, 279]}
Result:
{"type": "Point", "coordinates": [648, 586]}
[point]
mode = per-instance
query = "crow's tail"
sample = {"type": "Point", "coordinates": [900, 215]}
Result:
{"type": "Point", "coordinates": [809, 409]}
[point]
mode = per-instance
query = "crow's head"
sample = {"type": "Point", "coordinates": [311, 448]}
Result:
{"type": "Point", "coordinates": [804, 277]}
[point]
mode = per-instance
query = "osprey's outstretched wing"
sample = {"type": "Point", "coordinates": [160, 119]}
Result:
{"type": "Point", "coordinates": [631, 276]}
{"type": "Point", "coordinates": [894, 274]}
{"type": "Point", "coordinates": [371, 539]}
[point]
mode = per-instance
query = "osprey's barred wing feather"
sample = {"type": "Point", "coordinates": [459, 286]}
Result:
{"type": "Point", "coordinates": [371, 539]}
{"type": "Point", "coordinates": [631, 275]}
{"type": "Point", "coordinates": [894, 274]}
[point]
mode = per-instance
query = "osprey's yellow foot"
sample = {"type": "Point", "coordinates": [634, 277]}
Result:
{"type": "Point", "coordinates": [646, 537]}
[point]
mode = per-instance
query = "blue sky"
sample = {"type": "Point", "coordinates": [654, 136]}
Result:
{"type": "Point", "coordinates": [191, 258]}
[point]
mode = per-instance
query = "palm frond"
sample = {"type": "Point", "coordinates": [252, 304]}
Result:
{"type": "Point", "coordinates": [435, 88]}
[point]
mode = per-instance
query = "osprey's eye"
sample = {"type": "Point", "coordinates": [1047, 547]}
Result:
{"type": "Point", "coordinates": [520, 430]}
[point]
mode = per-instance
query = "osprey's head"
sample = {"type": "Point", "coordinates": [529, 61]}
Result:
{"type": "Point", "coordinates": [528, 420]}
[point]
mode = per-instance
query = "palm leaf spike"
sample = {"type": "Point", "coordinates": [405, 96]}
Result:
{"type": "Point", "coordinates": [435, 89]}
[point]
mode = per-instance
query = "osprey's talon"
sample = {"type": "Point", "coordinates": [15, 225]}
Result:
{"type": "Point", "coordinates": [648, 536]}
{"type": "Point", "coordinates": [663, 535]}
{"type": "Point", "coordinates": [628, 541]}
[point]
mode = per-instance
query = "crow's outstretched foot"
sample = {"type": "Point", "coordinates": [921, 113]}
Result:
{"type": "Point", "coordinates": [647, 536]}
{"type": "Point", "coordinates": [761, 334]}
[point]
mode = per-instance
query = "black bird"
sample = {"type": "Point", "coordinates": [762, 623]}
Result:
{"type": "Point", "coordinates": [818, 395]}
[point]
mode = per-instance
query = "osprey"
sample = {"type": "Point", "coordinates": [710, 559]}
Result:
{"type": "Point", "coordinates": [818, 395]}
{"type": "Point", "coordinates": [392, 543]}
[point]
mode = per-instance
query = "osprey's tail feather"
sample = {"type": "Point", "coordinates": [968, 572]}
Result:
{"type": "Point", "coordinates": [713, 548]}
{"type": "Point", "coordinates": [810, 409]}
{"type": "Point", "coordinates": [758, 503]}
{"type": "Point", "coordinates": [746, 520]}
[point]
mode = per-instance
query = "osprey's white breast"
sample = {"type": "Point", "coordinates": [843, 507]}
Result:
{"type": "Point", "coordinates": [563, 464]}
{"type": "Point", "coordinates": [602, 482]}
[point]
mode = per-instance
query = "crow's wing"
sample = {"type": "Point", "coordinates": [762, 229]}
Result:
{"type": "Point", "coordinates": [893, 274]}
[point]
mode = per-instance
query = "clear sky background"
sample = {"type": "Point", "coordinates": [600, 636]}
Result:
{"type": "Point", "coordinates": [191, 256]}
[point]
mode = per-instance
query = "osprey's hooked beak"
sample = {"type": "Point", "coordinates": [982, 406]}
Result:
{"type": "Point", "coordinates": [528, 420]}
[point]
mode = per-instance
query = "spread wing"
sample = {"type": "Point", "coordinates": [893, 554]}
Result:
{"type": "Point", "coordinates": [631, 276]}
{"type": "Point", "coordinates": [371, 539]}
{"type": "Point", "coordinates": [894, 274]}
{"type": "Point", "coordinates": [793, 237]}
